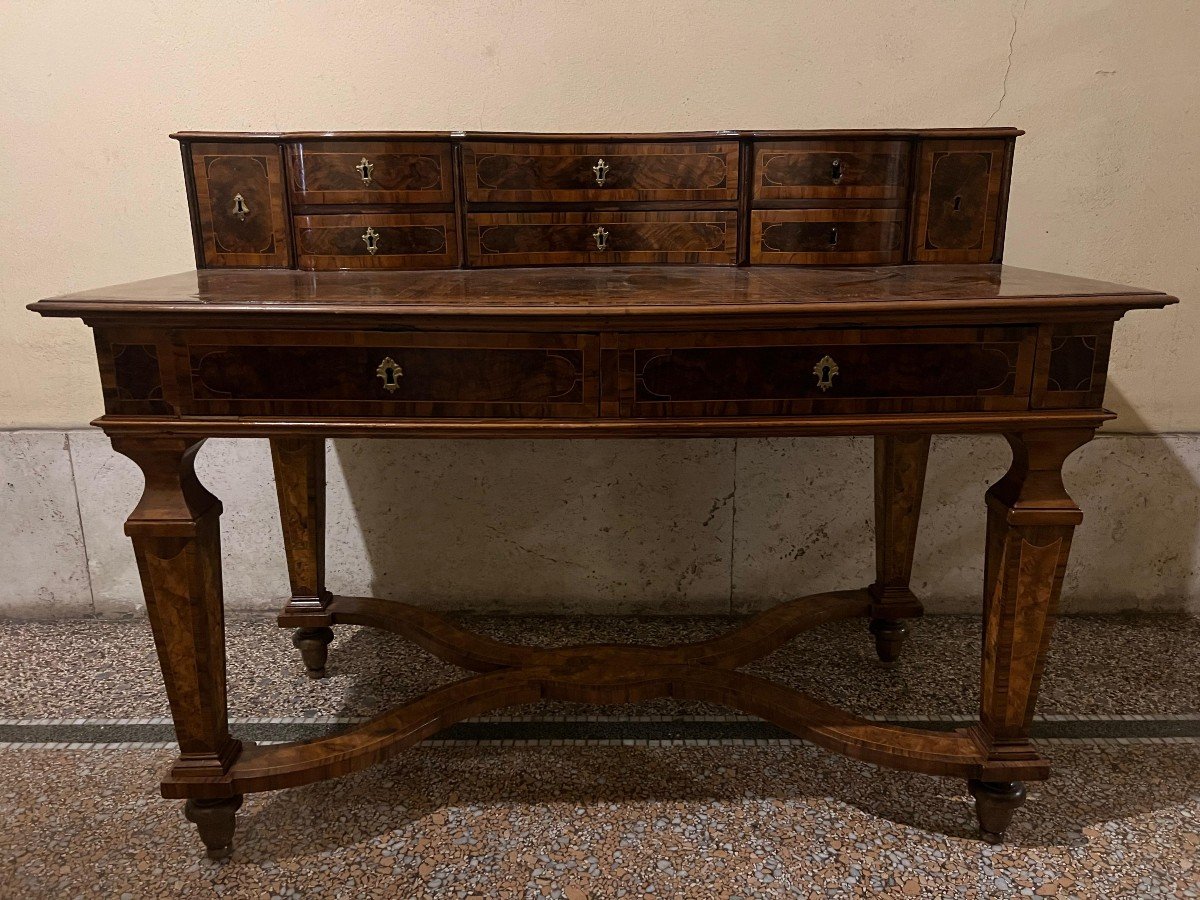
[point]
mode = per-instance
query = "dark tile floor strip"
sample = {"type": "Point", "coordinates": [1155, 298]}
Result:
{"type": "Point", "coordinates": [610, 730]}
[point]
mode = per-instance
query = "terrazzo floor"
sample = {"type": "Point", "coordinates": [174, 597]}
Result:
{"type": "Point", "coordinates": [658, 799]}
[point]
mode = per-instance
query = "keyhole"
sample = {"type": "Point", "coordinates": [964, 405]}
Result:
{"type": "Point", "coordinates": [833, 237]}
{"type": "Point", "coordinates": [957, 203]}
{"type": "Point", "coordinates": [825, 374]}
{"type": "Point", "coordinates": [389, 372]}
{"type": "Point", "coordinates": [836, 170]}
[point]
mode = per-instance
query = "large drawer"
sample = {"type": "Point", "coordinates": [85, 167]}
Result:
{"type": "Point", "coordinates": [827, 236]}
{"type": "Point", "coordinates": [603, 238]}
{"type": "Point", "coordinates": [370, 172]}
{"type": "Point", "coordinates": [831, 170]}
{"type": "Point", "coordinates": [442, 374]}
{"type": "Point", "coordinates": [826, 372]}
{"type": "Point", "coordinates": [506, 173]}
{"type": "Point", "coordinates": [377, 241]}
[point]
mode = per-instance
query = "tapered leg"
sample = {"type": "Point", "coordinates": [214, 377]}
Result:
{"type": "Point", "coordinates": [176, 539]}
{"type": "Point", "coordinates": [900, 462]}
{"type": "Point", "coordinates": [300, 485]}
{"type": "Point", "coordinates": [1030, 523]}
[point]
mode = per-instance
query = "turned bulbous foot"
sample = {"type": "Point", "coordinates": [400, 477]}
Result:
{"type": "Point", "coordinates": [313, 644]}
{"type": "Point", "coordinates": [215, 821]}
{"type": "Point", "coordinates": [995, 803]}
{"type": "Point", "coordinates": [890, 635]}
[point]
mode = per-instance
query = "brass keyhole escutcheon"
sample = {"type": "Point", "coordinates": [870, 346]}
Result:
{"type": "Point", "coordinates": [825, 369]}
{"type": "Point", "coordinates": [240, 209]}
{"type": "Point", "coordinates": [390, 373]}
{"type": "Point", "coordinates": [835, 171]}
{"type": "Point", "coordinates": [600, 236]}
{"type": "Point", "coordinates": [601, 169]}
{"type": "Point", "coordinates": [371, 239]}
{"type": "Point", "coordinates": [365, 168]}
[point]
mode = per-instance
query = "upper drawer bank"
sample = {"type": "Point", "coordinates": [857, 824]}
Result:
{"type": "Point", "coordinates": [832, 170]}
{"type": "Point", "coordinates": [617, 171]}
{"type": "Point", "coordinates": [354, 172]}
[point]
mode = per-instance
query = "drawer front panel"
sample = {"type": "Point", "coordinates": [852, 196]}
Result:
{"type": "Point", "coordinates": [510, 173]}
{"type": "Point", "coordinates": [370, 172]}
{"type": "Point", "coordinates": [826, 372]}
{"type": "Point", "coordinates": [532, 239]}
{"type": "Point", "coordinates": [827, 236]}
{"type": "Point", "coordinates": [371, 374]}
{"type": "Point", "coordinates": [240, 205]}
{"type": "Point", "coordinates": [831, 170]}
{"type": "Point", "coordinates": [410, 241]}
{"type": "Point", "coordinates": [957, 201]}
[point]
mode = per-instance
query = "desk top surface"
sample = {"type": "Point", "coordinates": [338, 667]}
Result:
{"type": "Point", "coordinates": [606, 291]}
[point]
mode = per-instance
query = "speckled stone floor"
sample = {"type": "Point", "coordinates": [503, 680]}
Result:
{"type": "Point", "coordinates": [668, 812]}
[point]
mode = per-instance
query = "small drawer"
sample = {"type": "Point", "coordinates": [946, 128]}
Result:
{"type": "Point", "coordinates": [370, 172]}
{"type": "Point", "coordinates": [443, 374]}
{"type": "Point", "coordinates": [831, 170]}
{"type": "Point", "coordinates": [827, 236]}
{"type": "Point", "coordinates": [409, 241]}
{"type": "Point", "coordinates": [826, 372]}
{"type": "Point", "coordinates": [535, 239]}
{"type": "Point", "coordinates": [544, 173]}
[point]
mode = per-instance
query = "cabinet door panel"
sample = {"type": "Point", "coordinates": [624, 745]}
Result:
{"type": "Point", "coordinates": [960, 186]}
{"type": "Point", "coordinates": [241, 205]}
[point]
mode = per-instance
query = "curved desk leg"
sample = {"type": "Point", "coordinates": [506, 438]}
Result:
{"type": "Point", "coordinates": [1030, 523]}
{"type": "Point", "coordinates": [176, 538]}
{"type": "Point", "coordinates": [300, 485]}
{"type": "Point", "coordinates": [900, 462]}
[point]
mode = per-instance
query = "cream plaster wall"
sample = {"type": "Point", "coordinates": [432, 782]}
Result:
{"type": "Point", "coordinates": [1107, 182]}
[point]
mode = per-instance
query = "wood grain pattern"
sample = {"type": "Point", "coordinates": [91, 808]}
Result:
{"type": "Point", "coordinates": [1030, 522]}
{"type": "Point", "coordinates": [827, 236]}
{"type": "Point", "coordinates": [1072, 365]}
{"type": "Point", "coordinates": [534, 239]}
{"type": "Point", "coordinates": [831, 170]}
{"type": "Point", "coordinates": [516, 675]}
{"type": "Point", "coordinates": [402, 241]}
{"type": "Point", "coordinates": [177, 543]}
{"type": "Point", "coordinates": [957, 201]}
{"type": "Point", "coordinates": [221, 173]}
{"type": "Point", "coordinates": [555, 172]}
{"type": "Point", "coordinates": [677, 297]}
{"type": "Point", "coordinates": [880, 371]}
{"type": "Point", "coordinates": [445, 374]}
{"type": "Point", "coordinates": [400, 172]}
{"type": "Point", "coordinates": [299, 466]}
{"type": "Point", "coordinates": [900, 463]}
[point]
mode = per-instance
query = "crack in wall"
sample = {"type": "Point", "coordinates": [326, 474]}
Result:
{"type": "Point", "coordinates": [1008, 66]}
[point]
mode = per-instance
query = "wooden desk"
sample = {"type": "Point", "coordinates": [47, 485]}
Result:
{"type": "Point", "coordinates": [896, 351]}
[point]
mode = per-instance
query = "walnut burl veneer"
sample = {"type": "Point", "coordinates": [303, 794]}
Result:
{"type": "Point", "coordinates": [431, 331]}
